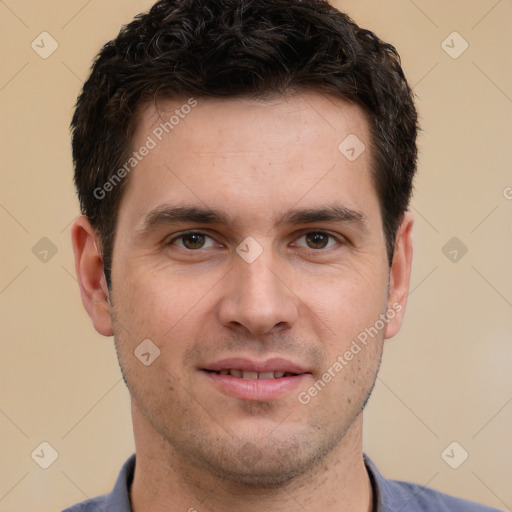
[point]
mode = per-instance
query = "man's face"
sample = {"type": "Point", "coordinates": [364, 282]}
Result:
{"type": "Point", "coordinates": [286, 275]}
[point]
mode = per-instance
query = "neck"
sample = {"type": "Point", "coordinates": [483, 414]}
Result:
{"type": "Point", "coordinates": [163, 481]}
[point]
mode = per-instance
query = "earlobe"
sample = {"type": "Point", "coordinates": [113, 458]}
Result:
{"type": "Point", "coordinates": [400, 274]}
{"type": "Point", "coordinates": [90, 275]}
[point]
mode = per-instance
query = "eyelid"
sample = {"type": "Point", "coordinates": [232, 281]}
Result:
{"type": "Point", "coordinates": [341, 240]}
{"type": "Point", "coordinates": [176, 236]}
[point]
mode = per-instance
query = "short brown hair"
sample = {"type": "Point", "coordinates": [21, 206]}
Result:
{"type": "Point", "coordinates": [228, 48]}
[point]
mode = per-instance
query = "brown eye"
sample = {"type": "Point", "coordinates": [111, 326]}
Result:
{"type": "Point", "coordinates": [317, 240]}
{"type": "Point", "coordinates": [193, 241]}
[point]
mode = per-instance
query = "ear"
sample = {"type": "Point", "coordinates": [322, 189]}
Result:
{"type": "Point", "coordinates": [89, 271]}
{"type": "Point", "coordinates": [400, 275]}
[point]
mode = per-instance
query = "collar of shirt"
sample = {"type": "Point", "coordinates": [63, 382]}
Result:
{"type": "Point", "coordinates": [388, 495]}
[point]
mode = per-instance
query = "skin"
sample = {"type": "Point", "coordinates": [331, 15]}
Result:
{"type": "Point", "coordinates": [255, 160]}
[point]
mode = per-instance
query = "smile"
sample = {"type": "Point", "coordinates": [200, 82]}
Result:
{"type": "Point", "coordinates": [262, 381]}
{"type": "Point", "coordinates": [252, 375]}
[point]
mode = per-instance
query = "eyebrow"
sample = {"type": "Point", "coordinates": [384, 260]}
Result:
{"type": "Point", "coordinates": [166, 214]}
{"type": "Point", "coordinates": [169, 214]}
{"type": "Point", "coordinates": [334, 213]}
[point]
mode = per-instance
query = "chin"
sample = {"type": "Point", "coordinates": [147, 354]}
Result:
{"type": "Point", "coordinates": [269, 474]}
{"type": "Point", "coordinates": [264, 465]}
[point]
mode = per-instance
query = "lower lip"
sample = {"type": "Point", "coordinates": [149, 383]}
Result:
{"type": "Point", "coordinates": [256, 389]}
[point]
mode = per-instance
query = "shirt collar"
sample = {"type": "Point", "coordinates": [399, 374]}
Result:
{"type": "Point", "coordinates": [119, 498]}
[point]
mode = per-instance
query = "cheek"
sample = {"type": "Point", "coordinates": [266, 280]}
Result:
{"type": "Point", "coordinates": [153, 298]}
{"type": "Point", "coordinates": [165, 306]}
{"type": "Point", "coordinates": [347, 302]}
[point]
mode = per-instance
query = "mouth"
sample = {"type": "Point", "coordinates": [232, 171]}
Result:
{"type": "Point", "coordinates": [253, 380]}
{"type": "Point", "coordinates": [251, 375]}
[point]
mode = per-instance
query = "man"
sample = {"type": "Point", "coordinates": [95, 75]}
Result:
{"type": "Point", "coordinates": [244, 170]}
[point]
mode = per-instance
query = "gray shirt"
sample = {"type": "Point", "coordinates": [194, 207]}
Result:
{"type": "Point", "coordinates": [388, 495]}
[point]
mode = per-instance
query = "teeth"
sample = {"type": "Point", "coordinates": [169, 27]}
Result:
{"type": "Point", "coordinates": [250, 375]}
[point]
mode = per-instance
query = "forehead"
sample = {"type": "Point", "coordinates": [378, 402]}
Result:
{"type": "Point", "coordinates": [251, 154]}
{"type": "Point", "coordinates": [242, 123]}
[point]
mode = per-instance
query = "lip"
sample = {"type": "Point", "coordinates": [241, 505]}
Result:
{"type": "Point", "coordinates": [261, 390]}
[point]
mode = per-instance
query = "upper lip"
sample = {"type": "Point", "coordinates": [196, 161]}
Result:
{"type": "Point", "coordinates": [270, 365]}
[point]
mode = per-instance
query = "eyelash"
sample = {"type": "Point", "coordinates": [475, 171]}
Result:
{"type": "Point", "coordinates": [188, 233]}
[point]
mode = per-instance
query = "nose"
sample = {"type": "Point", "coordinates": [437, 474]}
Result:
{"type": "Point", "coordinates": [257, 299]}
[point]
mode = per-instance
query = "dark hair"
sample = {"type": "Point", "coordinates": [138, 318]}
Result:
{"type": "Point", "coordinates": [252, 48]}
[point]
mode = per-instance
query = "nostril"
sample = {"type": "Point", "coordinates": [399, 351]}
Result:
{"type": "Point", "coordinates": [280, 326]}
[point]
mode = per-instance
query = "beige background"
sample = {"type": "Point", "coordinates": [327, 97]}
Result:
{"type": "Point", "coordinates": [445, 378]}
